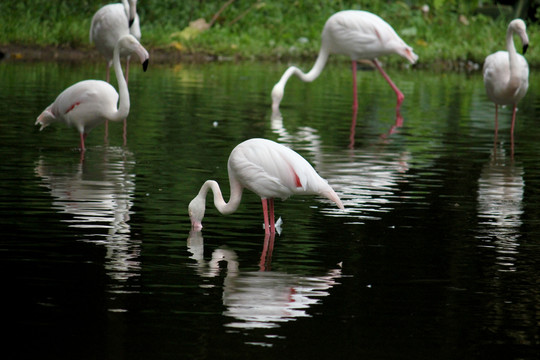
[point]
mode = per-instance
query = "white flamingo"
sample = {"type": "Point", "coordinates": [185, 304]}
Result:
{"type": "Point", "coordinates": [89, 103]}
{"type": "Point", "coordinates": [109, 24]}
{"type": "Point", "coordinates": [359, 35]}
{"type": "Point", "coordinates": [506, 73]}
{"type": "Point", "coordinates": [268, 169]}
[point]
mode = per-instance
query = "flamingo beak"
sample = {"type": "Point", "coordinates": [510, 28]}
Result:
{"type": "Point", "coordinates": [196, 225]}
{"type": "Point", "coordinates": [131, 21]}
{"type": "Point", "coordinates": [525, 47]}
{"type": "Point", "coordinates": [145, 65]}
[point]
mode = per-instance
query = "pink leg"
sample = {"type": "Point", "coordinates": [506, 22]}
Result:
{"type": "Point", "coordinates": [265, 215]}
{"type": "Point", "coordinates": [398, 92]}
{"type": "Point", "coordinates": [353, 128]}
{"type": "Point", "coordinates": [266, 255]}
{"type": "Point", "coordinates": [271, 216]}
{"type": "Point", "coordinates": [355, 95]}
{"type": "Point", "coordinates": [513, 120]}
{"type": "Point", "coordinates": [106, 130]}
{"type": "Point", "coordinates": [83, 137]}
{"type": "Point", "coordinates": [496, 121]}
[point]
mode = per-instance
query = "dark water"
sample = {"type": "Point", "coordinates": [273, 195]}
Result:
{"type": "Point", "coordinates": [437, 255]}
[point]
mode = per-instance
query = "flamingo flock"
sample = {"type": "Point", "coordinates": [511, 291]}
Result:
{"type": "Point", "coordinates": [269, 169]}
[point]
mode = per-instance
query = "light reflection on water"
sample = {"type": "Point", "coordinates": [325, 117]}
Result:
{"type": "Point", "coordinates": [259, 299]}
{"type": "Point", "coordinates": [500, 197]}
{"type": "Point", "coordinates": [438, 239]}
{"type": "Point", "coordinates": [98, 194]}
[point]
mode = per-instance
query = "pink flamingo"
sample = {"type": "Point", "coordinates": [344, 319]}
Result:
{"type": "Point", "coordinates": [506, 73]}
{"type": "Point", "coordinates": [268, 169]}
{"type": "Point", "coordinates": [89, 103]}
{"type": "Point", "coordinates": [359, 35]}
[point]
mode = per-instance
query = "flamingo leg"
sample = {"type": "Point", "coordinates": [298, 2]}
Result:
{"type": "Point", "coordinates": [355, 95]}
{"type": "Point", "coordinates": [265, 215]}
{"type": "Point", "coordinates": [513, 120]}
{"type": "Point", "coordinates": [398, 92]}
{"type": "Point", "coordinates": [271, 216]}
{"type": "Point", "coordinates": [83, 138]}
{"type": "Point", "coordinates": [266, 255]}
{"type": "Point", "coordinates": [353, 128]}
{"type": "Point", "coordinates": [496, 121]}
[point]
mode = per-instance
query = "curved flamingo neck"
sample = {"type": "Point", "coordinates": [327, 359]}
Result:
{"type": "Point", "coordinates": [124, 103]}
{"type": "Point", "coordinates": [279, 88]}
{"type": "Point", "coordinates": [223, 207]}
{"type": "Point", "coordinates": [512, 53]}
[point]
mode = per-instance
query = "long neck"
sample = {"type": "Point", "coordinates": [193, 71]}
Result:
{"type": "Point", "coordinates": [279, 88]}
{"type": "Point", "coordinates": [123, 107]}
{"type": "Point", "coordinates": [223, 207]}
{"type": "Point", "coordinates": [512, 54]}
{"type": "Point", "coordinates": [312, 74]}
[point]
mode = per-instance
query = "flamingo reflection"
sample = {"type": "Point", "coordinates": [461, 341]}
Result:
{"type": "Point", "coordinates": [500, 206]}
{"type": "Point", "coordinates": [98, 196]}
{"type": "Point", "coordinates": [260, 299]}
{"type": "Point", "coordinates": [366, 180]}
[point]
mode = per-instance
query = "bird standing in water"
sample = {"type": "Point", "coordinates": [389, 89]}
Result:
{"type": "Point", "coordinates": [359, 35]}
{"type": "Point", "coordinates": [89, 103]}
{"type": "Point", "coordinates": [506, 73]}
{"type": "Point", "coordinates": [270, 170]}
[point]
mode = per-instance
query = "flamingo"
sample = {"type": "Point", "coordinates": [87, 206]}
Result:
{"type": "Point", "coordinates": [268, 169]}
{"type": "Point", "coordinates": [506, 73]}
{"type": "Point", "coordinates": [109, 24]}
{"type": "Point", "coordinates": [89, 103]}
{"type": "Point", "coordinates": [358, 34]}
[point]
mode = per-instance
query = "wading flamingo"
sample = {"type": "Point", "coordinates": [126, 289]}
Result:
{"type": "Point", "coordinates": [268, 169]}
{"type": "Point", "coordinates": [359, 35]}
{"type": "Point", "coordinates": [89, 103]}
{"type": "Point", "coordinates": [109, 24]}
{"type": "Point", "coordinates": [506, 73]}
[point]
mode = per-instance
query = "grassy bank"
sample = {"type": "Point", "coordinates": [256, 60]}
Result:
{"type": "Point", "coordinates": [450, 33]}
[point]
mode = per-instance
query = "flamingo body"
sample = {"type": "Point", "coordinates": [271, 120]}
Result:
{"type": "Point", "coordinates": [359, 35]}
{"type": "Point", "coordinates": [89, 103]}
{"type": "Point", "coordinates": [110, 23]}
{"type": "Point", "coordinates": [270, 170]}
{"type": "Point", "coordinates": [506, 73]}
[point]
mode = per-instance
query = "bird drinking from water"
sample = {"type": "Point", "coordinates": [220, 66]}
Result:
{"type": "Point", "coordinates": [359, 35]}
{"type": "Point", "coordinates": [270, 170]}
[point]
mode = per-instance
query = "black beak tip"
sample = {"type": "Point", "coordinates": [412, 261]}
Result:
{"type": "Point", "coordinates": [145, 65]}
{"type": "Point", "coordinates": [131, 22]}
{"type": "Point", "coordinates": [525, 47]}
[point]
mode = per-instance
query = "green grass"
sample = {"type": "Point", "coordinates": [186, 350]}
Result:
{"type": "Point", "coordinates": [452, 33]}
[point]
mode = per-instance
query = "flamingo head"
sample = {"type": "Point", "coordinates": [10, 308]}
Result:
{"type": "Point", "coordinates": [128, 45]}
{"type": "Point", "coordinates": [408, 53]}
{"type": "Point", "coordinates": [277, 95]}
{"type": "Point", "coordinates": [196, 210]}
{"type": "Point", "coordinates": [518, 26]}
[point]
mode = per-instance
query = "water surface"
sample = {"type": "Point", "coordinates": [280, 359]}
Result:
{"type": "Point", "coordinates": [435, 256]}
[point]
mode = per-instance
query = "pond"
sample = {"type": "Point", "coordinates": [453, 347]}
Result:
{"type": "Point", "coordinates": [436, 255]}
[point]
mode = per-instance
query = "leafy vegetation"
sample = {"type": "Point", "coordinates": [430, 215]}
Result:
{"type": "Point", "coordinates": [451, 32]}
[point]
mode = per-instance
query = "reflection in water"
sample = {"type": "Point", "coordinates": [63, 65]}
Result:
{"type": "Point", "coordinates": [500, 197]}
{"type": "Point", "coordinates": [365, 179]}
{"type": "Point", "coordinates": [98, 195]}
{"type": "Point", "coordinates": [260, 299]}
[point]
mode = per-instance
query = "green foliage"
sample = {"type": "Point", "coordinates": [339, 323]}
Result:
{"type": "Point", "coordinates": [451, 30]}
